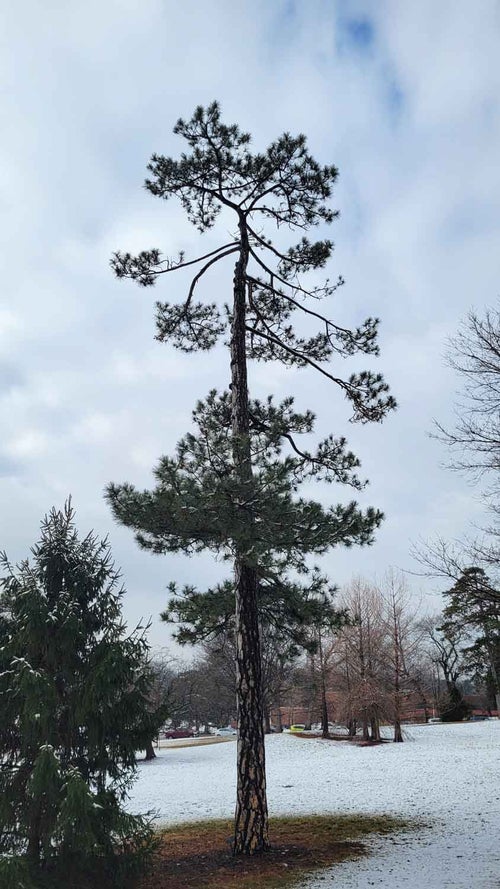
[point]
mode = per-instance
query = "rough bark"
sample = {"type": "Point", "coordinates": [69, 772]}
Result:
{"type": "Point", "coordinates": [251, 819]}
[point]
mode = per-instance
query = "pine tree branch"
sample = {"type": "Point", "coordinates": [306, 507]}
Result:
{"type": "Point", "coordinates": [342, 331]}
{"type": "Point", "coordinates": [302, 356]}
{"type": "Point", "coordinates": [127, 266]}
{"type": "Point", "coordinates": [293, 286]}
{"type": "Point", "coordinates": [202, 271]}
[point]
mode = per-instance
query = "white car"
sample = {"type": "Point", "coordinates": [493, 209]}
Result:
{"type": "Point", "coordinates": [225, 732]}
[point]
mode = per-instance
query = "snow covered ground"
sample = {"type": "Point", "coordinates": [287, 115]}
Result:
{"type": "Point", "coordinates": [448, 775]}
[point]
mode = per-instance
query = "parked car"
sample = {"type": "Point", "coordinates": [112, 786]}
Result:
{"type": "Point", "coordinates": [177, 733]}
{"type": "Point", "coordinates": [225, 732]}
{"type": "Point", "coordinates": [435, 719]}
{"type": "Point", "coordinates": [297, 728]}
{"type": "Point", "coordinates": [333, 728]}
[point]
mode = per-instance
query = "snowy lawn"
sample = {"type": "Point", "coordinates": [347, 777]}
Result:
{"type": "Point", "coordinates": [447, 775]}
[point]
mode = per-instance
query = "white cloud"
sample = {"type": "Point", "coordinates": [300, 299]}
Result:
{"type": "Point", "coordinates": [32, 443]}
{"type": "Point", "coordinates": [411, 119]}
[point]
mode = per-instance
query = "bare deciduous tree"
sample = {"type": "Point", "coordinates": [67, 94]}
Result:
{"type": "Point", "coordinates": [474, 354]}
{"type": "Point", "coordinates": [403, 641]}
{"type": "Point", "coordinates": [363, 644]}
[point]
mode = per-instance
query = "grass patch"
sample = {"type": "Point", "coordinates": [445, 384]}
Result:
{"type": "Point", "coordinates": [194, 855]}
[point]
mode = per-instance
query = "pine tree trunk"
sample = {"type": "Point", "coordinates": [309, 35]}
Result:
{"type": "Point", "coordinates": [251, 827]}
{"type": "Point", "coordinates": [251, 820]}
{"type": "Point", "coordinates": [150, 753]}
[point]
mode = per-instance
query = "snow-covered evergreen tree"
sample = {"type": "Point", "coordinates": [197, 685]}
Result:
{"type": "Point", "coordinates": [74, 703]}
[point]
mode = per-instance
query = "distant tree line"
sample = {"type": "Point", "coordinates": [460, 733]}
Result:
{"type": "Point", "coordinates": [380, 663]}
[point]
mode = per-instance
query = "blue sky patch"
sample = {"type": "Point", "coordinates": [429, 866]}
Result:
{"type": "Point", "coordinates": [395, 100]}
{"type": "Point", "coordinates": [360, 32]}
{"type": "Point", "coordinates": [356, 34]}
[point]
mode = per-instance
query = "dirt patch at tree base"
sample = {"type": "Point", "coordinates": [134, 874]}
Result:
{"type": "Point", "coordinates": [357, 740]}
{"type": "Point", "coordinates": [194, 855]}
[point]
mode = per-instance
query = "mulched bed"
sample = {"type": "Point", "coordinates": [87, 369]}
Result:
{"type": "Point", "coordinates": [199, 855]}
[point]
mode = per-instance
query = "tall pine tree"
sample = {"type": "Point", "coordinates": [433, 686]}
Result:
{"type": "Point", "coordinates": [239, 502]}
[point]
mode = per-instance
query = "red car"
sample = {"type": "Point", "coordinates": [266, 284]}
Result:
{"type": "Point", "coordinates": [178, 733]}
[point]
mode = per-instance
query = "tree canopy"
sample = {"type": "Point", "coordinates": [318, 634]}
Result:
{"type": "Point", "coordinates": [473, 609]}
{"type": "Point", "coordinates": [232, 486]}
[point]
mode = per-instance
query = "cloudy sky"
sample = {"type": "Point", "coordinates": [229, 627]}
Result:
{"type": "Point", "coordinates": [403, 97]}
